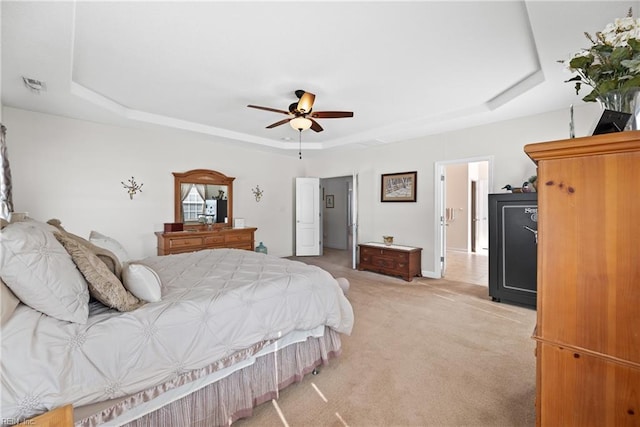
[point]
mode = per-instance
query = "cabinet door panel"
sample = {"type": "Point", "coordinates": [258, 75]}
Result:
{"type": "Point", "coordinates": [589, 223]}
{"type": "Point", "coordinates": [582, 390]}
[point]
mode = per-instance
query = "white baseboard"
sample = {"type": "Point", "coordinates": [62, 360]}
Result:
{"type": "Point", "coordinates": [430, 274]}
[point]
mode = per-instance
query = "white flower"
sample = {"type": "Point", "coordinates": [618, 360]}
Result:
{"type": "Point", "coordinates": [612, 62]}
{"type": "Point", "coordinates": [620, 31]}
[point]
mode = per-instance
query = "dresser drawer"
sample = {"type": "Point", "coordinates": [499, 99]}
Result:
{"type": "Point", "coordinates": [238, 238]}
{"type": "Point", "coordinates": [214, 240]}
{"type": "Point", "coordinates": [185, 243]}
{"type": "Point", "coordinates": [175, 242]}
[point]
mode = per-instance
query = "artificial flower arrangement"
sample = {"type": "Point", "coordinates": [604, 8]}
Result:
{"type": "Point", "coordinates": [612, 63]}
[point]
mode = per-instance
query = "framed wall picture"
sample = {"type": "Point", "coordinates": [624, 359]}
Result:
{"type": "Point", "coordinates": [329, 201]}
{"type": "Point", "coordinates": [398, 187]}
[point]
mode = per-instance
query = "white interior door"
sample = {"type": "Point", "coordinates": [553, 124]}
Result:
{"type": "Point", "coordinates": [354, 221]}
{"type": "Point", "coordinates": [443, 222]}
{"type": "Point", "coordinates": [308, 216]}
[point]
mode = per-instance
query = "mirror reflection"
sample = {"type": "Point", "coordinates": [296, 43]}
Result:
{"type": "Point", "coordinates": [204, 203]}
{"type": "Point", "coordinates": [203, 199]}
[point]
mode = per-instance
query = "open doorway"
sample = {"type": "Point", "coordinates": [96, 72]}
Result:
{"type": "Point", "coordinates": [338, 218]}
{"type": "Point", "coordinates": [464, 237]}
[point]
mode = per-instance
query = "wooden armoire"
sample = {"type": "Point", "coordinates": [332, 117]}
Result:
{"type": "Point", "coordinates": [588, 302]}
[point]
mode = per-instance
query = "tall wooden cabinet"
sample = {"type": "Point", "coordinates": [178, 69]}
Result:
{"type": "Point", "coordinates": [588, 303]}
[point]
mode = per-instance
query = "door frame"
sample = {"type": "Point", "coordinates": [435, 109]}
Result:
{"type": "Point", "coordinates": [439, 245]}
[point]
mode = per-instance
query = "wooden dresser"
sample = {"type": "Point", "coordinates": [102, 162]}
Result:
{"type": "Point", "coordinates": [393, 260]}
{"type": "Point", "coordinates": [588, 303]}
{"type": "Point", "coordinates": [176, 242]}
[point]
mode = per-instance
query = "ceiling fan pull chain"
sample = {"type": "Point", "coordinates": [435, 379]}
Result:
{"type": "Point", "coordinates": [300, 143]}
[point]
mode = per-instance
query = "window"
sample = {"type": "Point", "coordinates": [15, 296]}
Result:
{"type": "Point", "coordinates": [192, 205]}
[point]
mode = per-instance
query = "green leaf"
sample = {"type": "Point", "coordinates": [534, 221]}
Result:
{"type": "Point", "coordinates": [634, 44]}
{"type": "Point", "coordinates": [578, 85]}
{"type": "Point", "coordinates": [632, 65]}
{"type": "Point", "coordinates": [607, 86]}
{"type": "Point", "coordinates": [631, 83]}
{"type": "Point", "coordinates": [592, 97]}
{"type": "Point", "coordinates": [619, 54]}
{"type": "Point", "coordinates": [580, 62]}
{"type": "Point", "coordinates": [573, 79]}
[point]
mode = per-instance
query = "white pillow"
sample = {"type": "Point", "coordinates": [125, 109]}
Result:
{"type": "Point", "coordinates": [112, 244]}
{"type": "Point", "coordinates": [40, 272]}
{"type": "Point", "coordinates": [8, 303]}
{"type": "Point", "coordinates": [141, 281]}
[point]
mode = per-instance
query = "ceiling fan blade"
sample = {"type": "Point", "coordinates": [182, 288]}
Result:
{"type": "Point", "coordinates": [268, 109]}
{"type": "Point", "coordinates": [331, 114]}
{"type": "Point", "coordinates": [281, 122]}
{"type": "Point", "coordinates": [306, 102]}
{"type": "Point", "coordinates": [315, 125]}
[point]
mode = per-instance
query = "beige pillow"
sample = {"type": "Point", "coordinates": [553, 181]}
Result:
{"type": "Point", "coordinates": [8, 303]}
{"type": "Point", "coordinates": [105, 255]}
{"type": "Point", "coordinates": [103, 284]}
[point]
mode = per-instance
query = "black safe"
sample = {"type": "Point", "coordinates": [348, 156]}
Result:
{"type": "Point", "coordinates": [513, 247]}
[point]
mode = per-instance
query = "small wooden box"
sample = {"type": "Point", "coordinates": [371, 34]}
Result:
{"type": "Point", "coordinates": [173, 226]}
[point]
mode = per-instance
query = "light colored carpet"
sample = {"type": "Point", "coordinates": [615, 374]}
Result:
{"type": "Point", "coordinates": [425, 353]}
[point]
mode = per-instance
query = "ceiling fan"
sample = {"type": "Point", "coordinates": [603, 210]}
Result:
{"type": "Point", "coordinates": [301, 114]}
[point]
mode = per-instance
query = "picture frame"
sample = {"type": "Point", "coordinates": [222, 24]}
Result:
{"type": "Point", "coordinates": [398, 187]}
{"type": "Point", "coordinates": [329, 201]}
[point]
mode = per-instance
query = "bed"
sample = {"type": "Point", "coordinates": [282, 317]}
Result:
{"type": "Point", "coordinates": [227, 330]}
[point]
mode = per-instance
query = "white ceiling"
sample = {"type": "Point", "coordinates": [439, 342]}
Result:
{"type": "Point", "coordinates": [405, 69]}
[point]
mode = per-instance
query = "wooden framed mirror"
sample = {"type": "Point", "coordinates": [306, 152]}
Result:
{"type": "Point", "coordinates": [203, 198]}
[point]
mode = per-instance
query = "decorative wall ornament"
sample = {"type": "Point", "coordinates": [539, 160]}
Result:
{"type": "Point", "coordinates": [132, 187]}
{"type": "Point", "coordinates": [257, 192]}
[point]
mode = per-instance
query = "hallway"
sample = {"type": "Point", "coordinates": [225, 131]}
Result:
{"type": "Point", "coordinates": [468, 267]}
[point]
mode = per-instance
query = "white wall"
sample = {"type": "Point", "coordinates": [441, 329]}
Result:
{"type": "Point", "coordinates": [414, 224]}
{"type": "Point", "coordinates": [335, 227]}
{"type": "Point", "coordinates": [72, 170]}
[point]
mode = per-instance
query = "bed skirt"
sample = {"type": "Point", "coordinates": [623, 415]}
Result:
{"type": "Point", "coordinates": [234, 396]}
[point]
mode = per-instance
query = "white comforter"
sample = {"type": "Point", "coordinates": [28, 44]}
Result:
{"type": "Point", "coordinates": [214, 303]}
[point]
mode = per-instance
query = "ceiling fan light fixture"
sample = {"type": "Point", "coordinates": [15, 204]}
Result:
{"type": "Point", "coordinates": [300, 123]}
{"type": "Point", "coordinates": [306, 102]}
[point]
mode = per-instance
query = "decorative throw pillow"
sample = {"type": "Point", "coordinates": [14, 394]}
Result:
{"type": "Point", "coordinates": [105, 255]}
{"type": "Point", "coordinates": [103, 284]}
{"type": "Point", "coordinates": [109, 243]}
{"type": "Point", "coordinates": [142, 282]}
{"type": "Point", "coordinates": [39, 271]}
{"type": "Point", "coordinates": [8, 303]}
